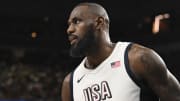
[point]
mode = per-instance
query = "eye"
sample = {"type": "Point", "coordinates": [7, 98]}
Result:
{"type": "Point", "coordinates": [76, 21]}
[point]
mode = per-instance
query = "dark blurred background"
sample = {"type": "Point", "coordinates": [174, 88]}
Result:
{"type": "Point", "coordinates": [34, 48]}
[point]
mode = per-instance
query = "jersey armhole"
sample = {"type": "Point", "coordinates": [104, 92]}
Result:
{"type": "Point", "coordinates": [127, 66]}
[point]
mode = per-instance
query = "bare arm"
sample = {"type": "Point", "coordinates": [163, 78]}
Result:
{"type": "Point", "coordinates": [65, 93]}
{"type": "Point", "coordinates": [149, 66]}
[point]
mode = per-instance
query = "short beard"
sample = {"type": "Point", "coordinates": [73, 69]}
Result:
{"type": "Point", "coordinates": [84, 45]}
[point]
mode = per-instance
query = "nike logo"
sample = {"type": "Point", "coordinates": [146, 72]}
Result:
{"type": "Point", "coordinates": [80, 78]}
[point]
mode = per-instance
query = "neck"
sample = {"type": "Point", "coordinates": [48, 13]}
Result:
{"type": "Point", "coordinates": [97, 57]}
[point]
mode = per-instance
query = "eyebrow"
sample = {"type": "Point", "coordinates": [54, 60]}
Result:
{"type": "Point", "coordinates": [73, 19]}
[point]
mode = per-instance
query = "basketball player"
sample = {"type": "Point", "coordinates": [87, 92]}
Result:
{"type": "Point", "coordinates": [121, 71]}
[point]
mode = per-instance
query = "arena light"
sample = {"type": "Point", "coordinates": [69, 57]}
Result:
{"type": "Point", "coordinates": [157, 21]}
{"type": "Point", "coordinates": [34, 35]}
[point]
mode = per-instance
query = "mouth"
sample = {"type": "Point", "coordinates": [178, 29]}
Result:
{"type": "Point", "coordinates": [72, 39]}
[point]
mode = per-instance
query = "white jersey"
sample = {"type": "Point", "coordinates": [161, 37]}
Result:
{"type": "Point", "coordinates": [112, 80]}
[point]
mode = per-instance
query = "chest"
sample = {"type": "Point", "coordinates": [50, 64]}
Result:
{"type": "Point", "coordinates": [108, 84]}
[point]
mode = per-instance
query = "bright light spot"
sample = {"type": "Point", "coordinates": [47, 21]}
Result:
{"type": "Point", "coordinates": [157, 21]}
{"type": "Point", "coordinates": [166, 16]}
{"type": "Point", "coordinates": [34, 35]}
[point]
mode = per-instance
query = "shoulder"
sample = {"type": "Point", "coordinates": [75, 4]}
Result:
{"type": "Point", "coordinates": [65, 91]}
{"type": "Point", "coordinates": [66, 82]}
{"type": "Point", "coordinates": [67, 78]}
{"type": "Point", "coordinates": [139, 50]}
{"type": "Point", "coordinates": [143, 61]}
{"type": "Point", "coordinates": [149, 67]}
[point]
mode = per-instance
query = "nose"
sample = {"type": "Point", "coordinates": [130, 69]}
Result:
{"type": "Point", "coordinates": [70, 29]}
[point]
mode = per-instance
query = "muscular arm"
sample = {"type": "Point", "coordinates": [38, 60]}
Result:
{"type": "Point", "coordinates": [149, 66]}
{"type": "Point", "coordinates": [65, 93]}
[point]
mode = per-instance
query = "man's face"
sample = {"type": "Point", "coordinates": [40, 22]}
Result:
{"type": "Point", "coordinates": [81, 31]}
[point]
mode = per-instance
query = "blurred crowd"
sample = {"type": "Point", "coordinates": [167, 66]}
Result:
{"type": "Point", "coordinates": [30, 82]}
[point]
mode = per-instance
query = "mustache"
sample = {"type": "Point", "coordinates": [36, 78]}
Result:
{"type": "Point", "coordinates": [72, 35]}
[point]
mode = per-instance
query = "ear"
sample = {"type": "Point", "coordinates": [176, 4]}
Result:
{"type": "Point", "coordinates": [99, 22]}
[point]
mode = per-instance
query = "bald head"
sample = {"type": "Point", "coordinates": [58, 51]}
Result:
{"type": "Point", "coordinates": [96, 10]}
